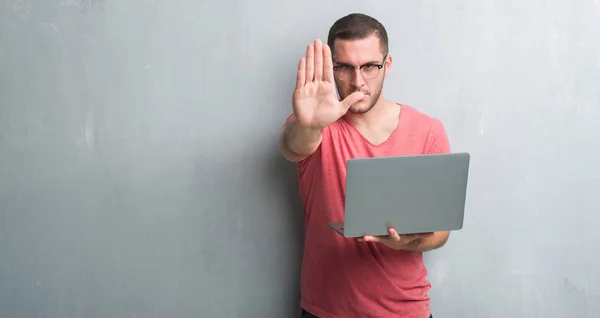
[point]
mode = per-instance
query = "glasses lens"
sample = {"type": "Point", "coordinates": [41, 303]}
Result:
{"type": "Point", "coordinates": [370, 72]}
{"type": "Point", "coordinates": [344, 73]}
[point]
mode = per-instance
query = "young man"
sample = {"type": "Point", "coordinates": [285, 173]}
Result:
{"type": "Point", "coordinates": [372, 276]}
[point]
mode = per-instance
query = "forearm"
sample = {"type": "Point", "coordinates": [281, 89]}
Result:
{"type": "Point", "coordinates": [423, 244]}
{"type": "Point", "coordinates": [300, 141]}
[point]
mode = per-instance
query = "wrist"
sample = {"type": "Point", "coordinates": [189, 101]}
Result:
{"type": "Point", "coordinates": [307, 130]}
{"type": "Point", "coordinates": [412, 245]}
{"type": "Point", "coordinates": [300, 139]}
{"type": "Point", "coordinates": [423, 244]}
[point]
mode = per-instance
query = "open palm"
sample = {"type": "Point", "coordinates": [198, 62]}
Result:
{"type": "Point", "coordinates": [315, 99]}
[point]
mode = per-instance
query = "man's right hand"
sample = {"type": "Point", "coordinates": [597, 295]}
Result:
{"type": "Point", "coordinates": [315, 100]}
{"type": "Point", "coordinates": [315, 103]}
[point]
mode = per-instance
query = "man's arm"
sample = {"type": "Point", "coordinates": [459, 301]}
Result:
{"type": "Point", "coordinates": [315, 103]}
{"type": "Point", "coordinates": [423, 244]}
{"type": "Point", "coordinates": [411, 242]}
{"type": "Point", "coordinates": [298, 142]}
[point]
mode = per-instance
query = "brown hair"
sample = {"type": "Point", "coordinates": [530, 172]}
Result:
{"type": "Point", "coordinates": [357, 26]}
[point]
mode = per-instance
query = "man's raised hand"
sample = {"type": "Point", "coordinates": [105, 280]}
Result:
{"type": "Point", "coordinates": [315, 100]}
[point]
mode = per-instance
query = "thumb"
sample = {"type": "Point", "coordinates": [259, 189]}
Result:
{"type": "Point", "coordinates": [351, 99]}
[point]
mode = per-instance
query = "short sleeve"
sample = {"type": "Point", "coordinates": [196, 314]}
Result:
{"type": "Point", "coordinates": [437, 139]}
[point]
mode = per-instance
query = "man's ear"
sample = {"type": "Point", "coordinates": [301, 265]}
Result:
{"type": "Point", "coordinates": [388, 64]}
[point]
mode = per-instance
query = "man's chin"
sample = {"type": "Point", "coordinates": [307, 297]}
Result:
{"type": "Point", "coordinates": [360, 107]}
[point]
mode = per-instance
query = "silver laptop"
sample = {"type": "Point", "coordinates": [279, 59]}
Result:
{"type": "Point", "coordinates": [413, 194]}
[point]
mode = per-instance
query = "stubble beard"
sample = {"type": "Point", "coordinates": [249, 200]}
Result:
{"type": "Point", "coordinates": [358, 110]}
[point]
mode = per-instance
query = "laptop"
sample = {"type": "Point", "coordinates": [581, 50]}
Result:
{"type": "Point", "coordinates": [412, 194]}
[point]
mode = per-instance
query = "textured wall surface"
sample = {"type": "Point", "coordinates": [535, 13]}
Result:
{"type": "Point", "coordinates": [140, 173]}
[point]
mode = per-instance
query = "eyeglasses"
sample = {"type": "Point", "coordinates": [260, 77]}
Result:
{"type": "Point", "coordinates": [369, 71]}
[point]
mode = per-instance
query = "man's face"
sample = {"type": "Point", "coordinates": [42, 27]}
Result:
{"type": "Point", "coordinates": [356, 53]}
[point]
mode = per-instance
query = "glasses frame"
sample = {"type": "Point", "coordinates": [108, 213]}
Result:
{"type": "Point", "coordinates": [360, 68]}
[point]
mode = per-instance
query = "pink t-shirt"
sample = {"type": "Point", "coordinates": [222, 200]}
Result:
{"type": "Point", "coordinates": [345, 278]}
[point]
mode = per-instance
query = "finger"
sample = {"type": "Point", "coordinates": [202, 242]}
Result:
{"type": "Point", "coordinates": [351, 100]}
{"type": "Point", "coordinates": [301, 77]}
{"type": "Point", "coordinates": [318, 60]}
{"type": "Point", "coordinates": [327, 64]}
{"type": "Point", "coordinates": [394, 236]}
{"type": "Point", "coordinates": [369, 238]}
{"type": "Point", "coordinates": [378, 239]}
{"type": "Point", "coordinates": [310, 63]}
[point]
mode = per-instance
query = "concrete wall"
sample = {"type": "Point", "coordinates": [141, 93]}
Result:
{"type": "Point", "coordinates": [139, 165]}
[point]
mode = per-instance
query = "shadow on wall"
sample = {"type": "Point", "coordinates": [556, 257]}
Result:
{"type": "Point", "coordinates": [284, 177]}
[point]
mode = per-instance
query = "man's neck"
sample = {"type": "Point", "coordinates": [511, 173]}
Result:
{"type": "Point", "coordinates": [378, 124]}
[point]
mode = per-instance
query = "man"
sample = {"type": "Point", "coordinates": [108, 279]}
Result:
{"type": "Point", "coordinates": [371, 276]}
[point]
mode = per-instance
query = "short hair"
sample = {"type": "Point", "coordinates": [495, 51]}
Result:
{"type": "Point", "coordinates": [357, 26]}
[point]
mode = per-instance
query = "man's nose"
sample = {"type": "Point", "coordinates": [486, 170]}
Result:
{"type": "Point", "coordinates": [357, 79]}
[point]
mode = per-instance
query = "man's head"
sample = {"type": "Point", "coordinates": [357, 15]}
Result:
{"type": "Point", "coordinates": [358, 40]}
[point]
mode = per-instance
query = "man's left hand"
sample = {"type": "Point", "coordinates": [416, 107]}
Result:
{"type": "Point", "coordinates": [399, 242]}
